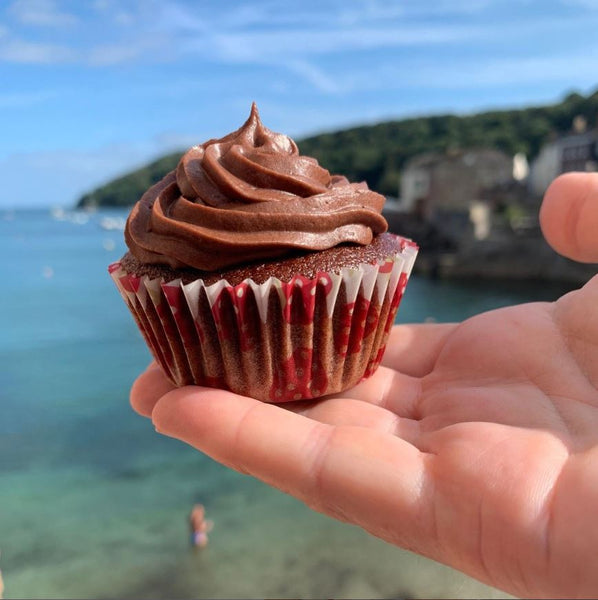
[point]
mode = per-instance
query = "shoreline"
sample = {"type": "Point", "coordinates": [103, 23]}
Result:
{"type": "Point", "coordinates": [452, 253]}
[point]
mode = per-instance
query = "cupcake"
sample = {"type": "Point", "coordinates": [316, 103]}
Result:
{"type": "Point", "coordinates": [251, 268]}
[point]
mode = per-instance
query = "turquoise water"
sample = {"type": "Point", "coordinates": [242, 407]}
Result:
{"type": "Point", "coordinates": [93, 503]}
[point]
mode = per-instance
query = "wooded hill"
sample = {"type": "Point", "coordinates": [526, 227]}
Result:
{"type": "Point", "coordinates": [377, 153]}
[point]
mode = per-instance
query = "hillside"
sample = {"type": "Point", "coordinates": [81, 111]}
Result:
{"type": "Point", "coordinates": [377, 153]}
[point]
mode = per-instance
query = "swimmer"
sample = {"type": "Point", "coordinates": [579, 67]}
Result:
{"type": "Point", "coordinates": [200, 527]}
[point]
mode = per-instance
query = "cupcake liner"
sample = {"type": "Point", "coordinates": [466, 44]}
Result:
{"type": "Point", "coordinates": [275, 341]}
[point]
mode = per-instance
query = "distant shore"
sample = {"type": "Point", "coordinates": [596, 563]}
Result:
{"type": "Point", "coordinates": [504, 255]}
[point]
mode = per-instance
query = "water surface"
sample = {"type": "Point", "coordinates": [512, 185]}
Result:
{"type": "Point", "coordinates": [93, 503]}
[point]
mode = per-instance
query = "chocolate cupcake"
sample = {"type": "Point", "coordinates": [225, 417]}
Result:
{"type": "Point", "coordinates": [251, 268]}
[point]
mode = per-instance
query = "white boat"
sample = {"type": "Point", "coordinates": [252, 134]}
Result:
{"type": "Point", "coordinates": [113, 223]}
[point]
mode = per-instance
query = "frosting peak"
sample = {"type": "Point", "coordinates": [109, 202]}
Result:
{"type": "Point", "coordinates": [248, 196]}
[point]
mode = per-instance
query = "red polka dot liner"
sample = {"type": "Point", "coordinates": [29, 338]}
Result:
{"type": "Point", "coordinates": [275, 341]}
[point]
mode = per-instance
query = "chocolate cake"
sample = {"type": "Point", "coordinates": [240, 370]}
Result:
{"type": "Point", "coordinates": [252, 268]}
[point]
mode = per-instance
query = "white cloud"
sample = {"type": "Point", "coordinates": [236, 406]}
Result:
{"type": "Point", "coordinates": [315, 76]}
{"type": "Point", "coordinates": [297, 50]}
{"type": "Point", "coordinates": [446, 7]}
{"type": "Point", "coordinates": [21, 51]}
{"type": "Point", "coordinates": [173, 18]}
{"type": "Point", "coordinates": [169, 31]}
{"type": "Point", "coordinates": [265, 33]}
{"type": "Point", "coordinates": [474, 74]}
{"type": "Point", "coordinates": [44, 13]}
{"type": "Point", "coordinates": [247, 46]}
{"type": "Point", "coordinates": [295, 40]}
{"type": "Point", "coordinates": [538, 69]}
{"type": "Point", "coordinates": [170, 140]}
{"type": "Point", "coordinates": [102, 5]}
{"type": "Point", "coordinates": [114, 11]}
{"type": "Point", "coordinates": [17, 50]}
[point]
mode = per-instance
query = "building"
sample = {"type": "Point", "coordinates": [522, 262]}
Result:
{"type": "Point", "coordinates": [577, 151]}
{"type": "Point", "coordinates": [452, 181]}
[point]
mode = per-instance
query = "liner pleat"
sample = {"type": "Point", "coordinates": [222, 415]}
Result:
{"type": "Point", "coordinates": [275, 341]}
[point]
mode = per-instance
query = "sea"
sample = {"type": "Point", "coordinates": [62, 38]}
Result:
{"type": "Point", "coordinates": [94, 503]}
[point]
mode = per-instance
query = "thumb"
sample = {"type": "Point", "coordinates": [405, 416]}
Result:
{"type": "Point", "coordinates": [569, 216]}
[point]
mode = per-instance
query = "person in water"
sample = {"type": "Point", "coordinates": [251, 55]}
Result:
{"type": "Point", "coordinates": [200, 526]}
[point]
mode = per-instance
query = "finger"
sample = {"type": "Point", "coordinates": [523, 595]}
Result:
{"type": "Point", "coordinates": [355, 413]}
{"type": "Point", "coordinates": [388, 389]}
{"type": "Point", "coordinates": [341, 471]}
{"type": "Point", "coordinates": [413, 349]}
{"type": "Point", "coordinates": [569, 216]}
{"type": "Point", "coordinates": [148, 388]}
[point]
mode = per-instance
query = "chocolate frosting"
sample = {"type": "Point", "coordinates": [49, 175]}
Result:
{"type": "Point", "coordinates": [249, 196]}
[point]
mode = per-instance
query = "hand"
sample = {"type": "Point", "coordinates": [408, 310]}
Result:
{"type": "Point", "coordinates": [475, 444]}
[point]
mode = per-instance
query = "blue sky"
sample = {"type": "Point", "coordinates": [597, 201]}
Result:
{"type": "Point", "coordinates": [92, 88]}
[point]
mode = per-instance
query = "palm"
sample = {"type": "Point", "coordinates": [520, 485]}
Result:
{"type": "Point", "coordinates": [495, 423]}
{"type": "Point", "coordinates": [475, 444]}
{"type": "Point", "coordinates": [508, 433]}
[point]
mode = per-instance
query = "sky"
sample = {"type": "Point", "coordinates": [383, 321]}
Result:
{"type": "Point", "coordinates": [90, 89]}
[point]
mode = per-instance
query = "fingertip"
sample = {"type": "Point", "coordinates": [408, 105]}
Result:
{"type": "Point", "coordinates": [554, 209]}
{"type": "Point", "coordinates": [136, 396]}
{"type": "Point", "coordinates": [184, 412]}
{"type": "Point", "coordinates": [148, 388]}
{"type": "Point", "coordinates": [164, 412]}
{"type": "Point", "coordinates": [569, 216]}
{"type": "Point", "coordinates": [220, 423]}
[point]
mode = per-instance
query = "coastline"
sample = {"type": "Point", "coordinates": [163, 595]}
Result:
{"type": "Point", "coordinates": [450, 251]}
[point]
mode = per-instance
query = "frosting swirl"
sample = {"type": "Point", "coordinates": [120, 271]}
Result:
{"type": "Point", "coordinates": [249, 196]}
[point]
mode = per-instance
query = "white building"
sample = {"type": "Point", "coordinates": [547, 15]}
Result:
{"type": "Point", "coordinates": [455, 179]}
{"type": "Point", "coordinates": [573, 152]}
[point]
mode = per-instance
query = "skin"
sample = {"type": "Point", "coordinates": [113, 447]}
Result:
{"type": "Point", "coordinates": [197, 518]}
{"type": "Point", "coordinates": [198, 523]}
{"type": "Point", "coordinates": [475, 444]}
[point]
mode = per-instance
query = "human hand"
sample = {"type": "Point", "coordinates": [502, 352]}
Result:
{"type": "Point", "coordinates": [475, 444]}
